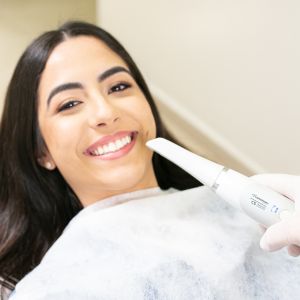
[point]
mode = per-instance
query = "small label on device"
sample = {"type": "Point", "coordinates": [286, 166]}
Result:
{"type": "Point", "coordinates": [259, 202]}
{"type": "Point", "coordinates": [264, 205]}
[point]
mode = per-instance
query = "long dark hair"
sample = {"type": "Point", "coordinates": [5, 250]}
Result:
{"type": "Point", "coordinates": [37, 204]}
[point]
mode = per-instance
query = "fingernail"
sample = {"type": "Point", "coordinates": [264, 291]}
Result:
{"type": "Point", "coordinates": [264, 245]}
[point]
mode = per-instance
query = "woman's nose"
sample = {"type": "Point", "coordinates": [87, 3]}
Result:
{"type": "Point", "coordinates": [102, 113]}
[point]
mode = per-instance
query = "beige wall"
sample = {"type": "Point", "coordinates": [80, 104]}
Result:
{"type": "Point", "coordinates": [21, 21]}
{"type": "Point", "coordinates": [229, 67]}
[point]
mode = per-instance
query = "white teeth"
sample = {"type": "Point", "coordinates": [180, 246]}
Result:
{"type": "Point", "coordinates": [100, 150]}
{"type": "Point", "coordinates": [112, 146]}
{"type": "Point", "coordinates": [119, 144]}
{"type": "Point", "coordinates": [105, 149]}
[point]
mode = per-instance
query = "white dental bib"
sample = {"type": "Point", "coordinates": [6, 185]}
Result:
{"type": "Point", "coordinates": [181, 245]}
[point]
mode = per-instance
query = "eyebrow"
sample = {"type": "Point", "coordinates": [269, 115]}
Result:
{"type": "Point", "coordinates": [77, 85]}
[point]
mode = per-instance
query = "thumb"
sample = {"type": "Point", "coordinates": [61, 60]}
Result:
{"type": "Point", "coordinates": [281, 234]}
{"type": "Point", "coordinates": [275, 237]}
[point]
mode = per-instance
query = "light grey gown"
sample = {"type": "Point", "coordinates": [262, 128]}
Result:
{"type": "Point", "coordinates": [165, 246]}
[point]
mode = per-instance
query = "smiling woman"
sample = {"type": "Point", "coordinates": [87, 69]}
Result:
{"type": "Point", "coordinates": [76, 119]}
{"type": "Point", "coordinates": [100, 103]}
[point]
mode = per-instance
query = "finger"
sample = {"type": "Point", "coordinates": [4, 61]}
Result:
{"type": "Point", "coordinates": [281, 234]}
{"type": "Point", "coordinates": [288, 185]}
{"type": "Point", "coordinates": [275, 237]}
{"type": "Point", "coordinates": [294, 250]}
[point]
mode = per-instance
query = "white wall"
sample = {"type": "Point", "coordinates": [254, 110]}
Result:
{"type": "Point", "coordinates": [231, 66]}
{"type": "Point", "coordinates": [21, 21]}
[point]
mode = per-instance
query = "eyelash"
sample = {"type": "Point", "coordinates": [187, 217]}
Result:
{"type": "Point", "coordinates": [122, 86]}
{"type": "Point", "coordinates": [118, 88]}
{"type": "Point", "coordinates": [69, 105]}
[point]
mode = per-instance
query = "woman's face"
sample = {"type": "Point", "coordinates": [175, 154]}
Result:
{"type": "Point", "coordinates": [95, 121]}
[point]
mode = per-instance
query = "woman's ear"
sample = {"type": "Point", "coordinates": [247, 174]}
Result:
{"type": "Point", "coordinates": [47, 162]}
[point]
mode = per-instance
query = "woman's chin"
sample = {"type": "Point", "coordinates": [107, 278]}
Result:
{"type": "Point", "coordinates": [129, 179]}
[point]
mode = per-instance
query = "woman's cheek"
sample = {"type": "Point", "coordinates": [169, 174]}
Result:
{"type": "Point", "coordinates": [60, 133]}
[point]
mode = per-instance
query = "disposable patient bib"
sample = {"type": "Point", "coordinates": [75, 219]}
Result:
{"type": "Point", "coordinates": [182, 245]}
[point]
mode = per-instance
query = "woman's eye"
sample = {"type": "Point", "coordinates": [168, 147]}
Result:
{"type": "Point", "coordinates": [69, 105]}
{"type": "Point", "coordinates": [119, 87]}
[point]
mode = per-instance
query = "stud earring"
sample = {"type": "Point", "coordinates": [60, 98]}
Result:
{"type": "Point", "coordinates": [48, 165]}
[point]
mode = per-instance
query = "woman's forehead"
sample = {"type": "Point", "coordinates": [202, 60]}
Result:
{"type": "Point", "coordinates": [77, 59]}
{"type": "Point", "coordinates": [79, 50]}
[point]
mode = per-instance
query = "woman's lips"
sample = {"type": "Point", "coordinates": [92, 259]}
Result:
{"type": "Point", "coordinates": [113, 146]}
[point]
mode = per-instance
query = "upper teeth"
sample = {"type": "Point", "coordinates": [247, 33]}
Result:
{"type": "Point", "coordinates": [112, 146]}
